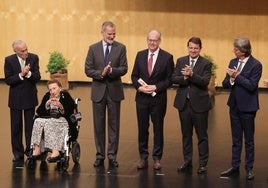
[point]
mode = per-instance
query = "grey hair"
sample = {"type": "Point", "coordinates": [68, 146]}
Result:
{"type": "Point", "coordinates": [243, 45]}
{"type": "Point", "coordinates": [16, 42]}
{"type": "Point", "coordinates": [155, 30]}
{"type": "Point", "coordinates": [106, 24]}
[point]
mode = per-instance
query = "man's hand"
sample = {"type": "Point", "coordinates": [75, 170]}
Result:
{"type": "Point", "coordinates": [106, 69]}
{"type": "Point", "coordinates": [233, 73]}
{"type": "Point", "coordinates": [147, 89]}
{"type": "Point", "coordinates": [25, 70]}
{"type": "Point", "coordinates": [187, 71]}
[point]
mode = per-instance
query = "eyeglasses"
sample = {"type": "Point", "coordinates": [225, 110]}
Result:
{"type": "Point", "coordinates": [152, 41]}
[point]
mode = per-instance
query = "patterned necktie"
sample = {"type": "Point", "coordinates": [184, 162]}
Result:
{"type": "Point", "coordinates": [150, 64]}
{"type": "Point", "coordinates": [106, 55]}
{"type": "Point", "coordinates": [192, 63]}
{"type": "Point", "coordinates": [240, 66]}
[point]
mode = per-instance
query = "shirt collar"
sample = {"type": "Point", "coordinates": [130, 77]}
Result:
{"type": "Point", "coordinates": [244, 60]}
{"type": "Point", "coordinates": [195, 59]}
{"type": "Point", "coordinates": [155, 52]}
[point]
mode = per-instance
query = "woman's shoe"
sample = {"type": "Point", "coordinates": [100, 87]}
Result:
{"type": "Point", "coordinates": [36, 157]}
{"type": "Point", "coordinates": [53, 159]}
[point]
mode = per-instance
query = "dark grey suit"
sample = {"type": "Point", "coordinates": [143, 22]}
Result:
{"type": "Point", "coordinates": [193, 110]}
{"type": "Point", "coordinates": [106, 92]}
{"type": "Point", "coordinates": [22, 99]}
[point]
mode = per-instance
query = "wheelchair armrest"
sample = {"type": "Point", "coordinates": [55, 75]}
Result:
{"type": "Point", "coordinates": [76, 100]}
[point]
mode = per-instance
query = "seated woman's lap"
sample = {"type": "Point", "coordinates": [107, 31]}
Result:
{"type": "Point", "coordinates": [55, 131]}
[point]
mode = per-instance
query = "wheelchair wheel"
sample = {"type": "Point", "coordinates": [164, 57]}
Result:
{"type": "Point", "coordinates": [75, 152]}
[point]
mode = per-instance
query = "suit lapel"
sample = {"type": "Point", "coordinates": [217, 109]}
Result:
{"type": "Point", "coordinates": [157, 63]}
{"type": "Point", "coordinates": [17, 64]}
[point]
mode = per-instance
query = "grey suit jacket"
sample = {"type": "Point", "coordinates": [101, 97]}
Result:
{"type": "Point", "coordinates": [112, 82]}
{"type": "Point", "coordinates": [195, 85]}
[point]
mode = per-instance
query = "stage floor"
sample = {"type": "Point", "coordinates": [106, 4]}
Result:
{"type": "Point", "coordinates": [85, 175]}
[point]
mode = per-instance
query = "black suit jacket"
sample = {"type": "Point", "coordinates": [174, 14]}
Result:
{"type": "Point", "coordinates": [244, 92]}
{"type": "Point", "coordinates": [161, 75]}
{"type": "Point", "coordinates": [22, 93]}
{"type": "Point", "coordinates": [197, 85]}
{"type": "Point", "coordinates": [94, 65]}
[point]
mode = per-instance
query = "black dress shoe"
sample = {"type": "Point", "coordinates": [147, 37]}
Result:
{"type": "Point", "coordinates": [202, 169]}
{"type": "Point", "coordinates": [142, 164]}
{"type": "Point", "coordinates": [98, 163]}
{"type": "Point", "coordinates": [35, 157]}
{"type": "Point", "coordinates": [113, 163]}
{"type": "Point", "coordinates": [18, 159]}
{"type": "Point", "coordinates": [53, 159]}
{"type": "Point", "coordinates": [185, 166]}
{"type": "Point", "coordinates": [250, 174]}
{"type": "Point", "coordinates": [230, 172]}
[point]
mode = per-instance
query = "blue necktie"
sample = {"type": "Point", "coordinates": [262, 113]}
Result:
{"type": "Point", "coordinates": [106, 56]}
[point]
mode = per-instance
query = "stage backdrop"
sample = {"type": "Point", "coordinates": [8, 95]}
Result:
{"type": "Point", "coordinates": [70, 26]}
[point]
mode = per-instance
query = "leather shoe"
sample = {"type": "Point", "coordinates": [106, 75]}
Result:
{"type": "Point", "coordinates": [250, 174]}
{"type": "Point", "coordinates": [142, 164]}
{"type": "Point", "coordinates": [185, 166]}
{"type": "Point", "coordinates": [53, 159]}
{"type": "Point", "coordinates": [98, 163]}
{"type": "Point", "coordinates": [230, 172]}
{"type": "Point", "coordinates": [113, 163]}
{"type": "Point", "coordinates": [157, 165]}
{"type": "Point", "coordinates": [202, 169]}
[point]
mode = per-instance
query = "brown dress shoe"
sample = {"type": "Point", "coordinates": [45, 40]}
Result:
{"type": "Point", "coordinates": [157, 165]}
{"type": "Point", "coordinates": [142, 164]}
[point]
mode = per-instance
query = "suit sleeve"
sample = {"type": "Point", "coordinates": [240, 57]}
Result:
{"type": "Point", "coordinates": [35, 77]}
{"type": "Point", "coordinates": [166, 82]}
{"type": "Point", "coordinates": [11, 75]}
{"type": "Point", "coordinates": [250, 83]}
{"type": "Point", "coordinates": [177, 77]}
{"type": "Point", "coordinates": [90, 65]}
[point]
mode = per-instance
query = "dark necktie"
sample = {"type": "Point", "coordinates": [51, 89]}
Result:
{"type": "Point", "coordinates": [106, 55]}
{"type": "Point", "coordinates": [192, 63]}
{"type": "Point", "coordinates": [240, 66]}
{"type": "Point", "coordinates": [150, 64]}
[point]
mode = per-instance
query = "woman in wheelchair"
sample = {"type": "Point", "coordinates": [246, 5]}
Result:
{"type": "Point", "coordinates": [51, 123]}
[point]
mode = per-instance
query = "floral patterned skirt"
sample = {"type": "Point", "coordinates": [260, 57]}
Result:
{"type": "Point", "coordinates": [54, 131]}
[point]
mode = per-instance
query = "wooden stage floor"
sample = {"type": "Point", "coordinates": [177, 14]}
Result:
{"type": "Point", "coordinates": [127, 176]}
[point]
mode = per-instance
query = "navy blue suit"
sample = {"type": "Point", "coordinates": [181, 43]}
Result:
{"type": "Point", "coordinates": [244, 103]}
{"type": "Point", "coordinates": [148, 106]}
{"type": "Point", "coordinates": [22, 99]}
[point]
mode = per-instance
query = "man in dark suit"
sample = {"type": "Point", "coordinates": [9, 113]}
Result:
{"type": "Point", "coordinates": [106, 62]}
{"type": "Point", "coordinates": [151, 96]}
{"type": "Point", "coordinates": [243, 75]}
{"type": "Point", "coordinates": [192, 74]}
{"type": "Point", "coordinates": [21, 74]}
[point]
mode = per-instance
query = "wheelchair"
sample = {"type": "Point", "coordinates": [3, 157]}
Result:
{"type": "Point", "coordinates": [70, 144]}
